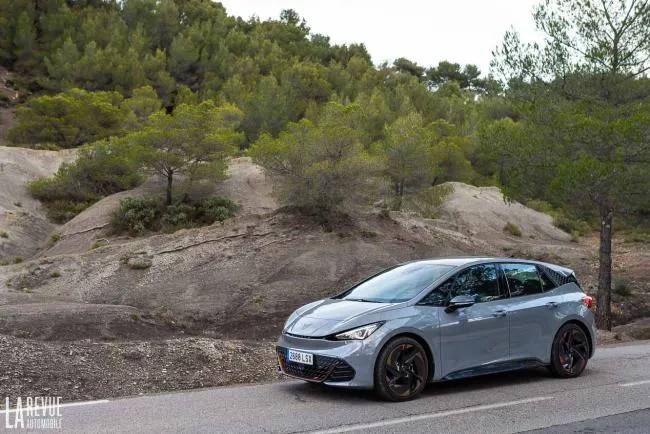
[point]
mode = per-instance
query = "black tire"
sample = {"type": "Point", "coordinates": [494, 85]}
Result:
{"type": "Point", "coordinates": [570, 351]}
{"type": "Point", "coordinates": [402, 370]}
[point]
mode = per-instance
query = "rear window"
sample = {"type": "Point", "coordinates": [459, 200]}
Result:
{"type": "Point", "coordinates": [547, 283]}
{"type": "Point", "coordinates": [522, 279]}
{"type": "Point", "coordinates": [561, 279]}
{"type": "Point", "coordinates": [398, 284]}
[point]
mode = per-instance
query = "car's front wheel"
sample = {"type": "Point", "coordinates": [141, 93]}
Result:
{"type": "Point", "coordinates": [570, 351]}
{"type": "Point", "coordinates": [401, 370]}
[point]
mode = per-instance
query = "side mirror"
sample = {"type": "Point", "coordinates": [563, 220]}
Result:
{"type": "Point", "coordinates": [458, 302]}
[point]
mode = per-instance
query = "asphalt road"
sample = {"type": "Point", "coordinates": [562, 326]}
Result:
{"type": "Point", "coordinates": [613, 395]}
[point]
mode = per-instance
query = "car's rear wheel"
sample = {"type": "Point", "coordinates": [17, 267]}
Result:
{"type": "Point", "coordinates": [401, 370]}
{"type": "Point", "coordinates": [570, 351]}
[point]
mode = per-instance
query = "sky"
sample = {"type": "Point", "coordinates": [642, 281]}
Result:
{"type": "Point", "coordinates": [425, 31]}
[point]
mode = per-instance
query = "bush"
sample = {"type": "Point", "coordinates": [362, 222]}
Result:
{"type": "Point", "coordinates": [426, 202]}
{"type": "Point", "coordinates": [4, 234]}
{"type": "Point", "coordinates": [18, 260]}
{"type": "Point", "coordinates": [575, 236]}
{"type": "Point", "coordinates": [55, 274]}
{"type": "Point", "coordinates": [570, 225]}
{"type": "Point", "coordinates": [178, 216]}
{"type": "Point", "coordinates": [214, 209]}
{"type": "Point", "coordinates": [139, 215]}
{"type": "Point", "coordinates": [540, 205]}
{"type": "Point", "coordinates": [102, 169]}
{"type": "Point", "coordinates": [512, 229]}
{"type": "Point", "coordinates": [621, 286]}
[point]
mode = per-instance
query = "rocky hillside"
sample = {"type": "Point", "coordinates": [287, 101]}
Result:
{"type": "Point", "coordinates": [236, 280]}
{"type": "Point", "coordinates": [22, 217]}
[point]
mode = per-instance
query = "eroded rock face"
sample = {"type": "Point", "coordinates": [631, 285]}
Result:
{"type": "Point", "coordinates": [21, 216]}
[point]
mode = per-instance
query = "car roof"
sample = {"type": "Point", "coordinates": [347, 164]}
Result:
{"type": "Point", "coordinates": [459, 261]}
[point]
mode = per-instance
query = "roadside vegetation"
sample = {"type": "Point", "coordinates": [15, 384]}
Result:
{"type": "Point", "coordinates": [142, 215]}
{"type": "Point", "coordinates": [175, 88]}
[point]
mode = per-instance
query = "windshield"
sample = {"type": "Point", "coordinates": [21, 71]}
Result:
{"type": "Point", "coordinates": [397, 284]}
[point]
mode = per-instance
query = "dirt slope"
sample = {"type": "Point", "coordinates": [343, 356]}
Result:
{"type": "Point", "coordinates": [238, 279]}
{"type": "Point", "coordinates": [21, 216]}
{"type": "Point", "coordinates": [482, 213]}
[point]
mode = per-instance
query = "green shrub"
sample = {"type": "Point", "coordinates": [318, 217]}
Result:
{"type": "Point", "coordinates": [139, 215]}
{"type": "Point", "coordinates": [214, 209]}
{"type": "Point", "coordinates": [426, 202]}
{"type": "Point", "coordinates": [621, 286]}
{"type": "Point", "coordinates": [18, 204]}
{"type": "Point", "coordinates": [61, 211]}
{"type": "Point", "coordinates": [4, 262]}
{"type": "Point", "coordinates": [55, 274]}
{"type": "Point", "coordinates": [575, 236]}
{"type": "Point", "coordinates": [46, 147]}
{"type": "Point", "coordinates": [512, 229]}
{"type": "Point", "coordinates": [102, 169]}
{"type": "Point", "coordinates": [55, 237]}
{"type": "Point", "coordinates": [637, 236]}
{"type": "Point", "coordinates": [570, 225]}
{"type": "Point", "coordinates": [4, 234]}
{"type": "Point", "coordinates": [4, 100]}
{"type": "Point", "coordinates": [540, 205]}
{"type": "Point", "coordinates": [178, 216]}
{"type": "Point", "coordinates": [18, 260]}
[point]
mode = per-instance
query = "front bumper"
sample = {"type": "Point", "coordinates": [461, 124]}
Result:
{"type": "Point", "coordinates": [336, 363]}
{"type": "Point", "coordinates": [324, 369]}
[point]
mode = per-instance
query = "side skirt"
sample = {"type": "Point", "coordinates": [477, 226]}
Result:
{"type": "Point", "coordinates": [494, 368]}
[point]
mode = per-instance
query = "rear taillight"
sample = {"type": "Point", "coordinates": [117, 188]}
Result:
{"type": "Point", "coordinates": [587, 301]}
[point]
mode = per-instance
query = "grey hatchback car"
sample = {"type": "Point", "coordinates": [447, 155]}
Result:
{"type": "Point", "coordinates": [442, 319]}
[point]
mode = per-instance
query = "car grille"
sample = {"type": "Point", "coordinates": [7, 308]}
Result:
{"type": "Point", "coordinates": [324, 368]}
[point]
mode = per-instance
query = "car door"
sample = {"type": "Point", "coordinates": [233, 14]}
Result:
{"type": "Point", "coordinates": [476, 335]}
{"type": "Point", "coordinates": [533, 313]}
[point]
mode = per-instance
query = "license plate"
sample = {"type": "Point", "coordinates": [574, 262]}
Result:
{"type": "Point", "coordinates": [300, 357]}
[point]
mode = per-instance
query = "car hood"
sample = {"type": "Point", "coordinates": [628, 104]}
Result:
{"type": "Point", "coordinates": [332, 315]}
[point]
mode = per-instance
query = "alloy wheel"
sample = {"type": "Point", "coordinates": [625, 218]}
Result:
{"type": "Point", "coordinates": [405, 370]}
{"type": "Point", "coordinates": [571, 351]}
{"type": "Point", "coordinates": [574, 351]}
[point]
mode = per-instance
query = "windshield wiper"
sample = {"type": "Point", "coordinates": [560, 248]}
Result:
{"type": "Point", "coordinates": [365, 300]}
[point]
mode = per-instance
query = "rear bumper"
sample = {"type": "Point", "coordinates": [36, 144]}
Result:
{"type": "Point", "coordinates": [592, 329]}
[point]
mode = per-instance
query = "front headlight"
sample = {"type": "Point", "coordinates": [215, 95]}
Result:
{"type": "Point", "coordinates": [360, 333]}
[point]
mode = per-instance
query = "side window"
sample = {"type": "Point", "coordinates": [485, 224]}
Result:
{"type": "Point", "coordinates": [522, 279]}
{"type": "Point", "coordinates": [479, 281]}
{"type": "Point", "coordinates": [440, 296]}
{"type": "Point", "coordinates": [547, 283]}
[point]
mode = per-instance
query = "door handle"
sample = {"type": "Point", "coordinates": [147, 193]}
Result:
{"type": "Point", "coordinates": [500, 313]}
{"type": "Point", "coordinates": [551, 304]}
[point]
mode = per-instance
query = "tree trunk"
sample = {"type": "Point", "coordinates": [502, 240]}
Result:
{"type": "Point", "coordinates": [170, 179]}
{"type": "Point", "coordinates": [604, 297]}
